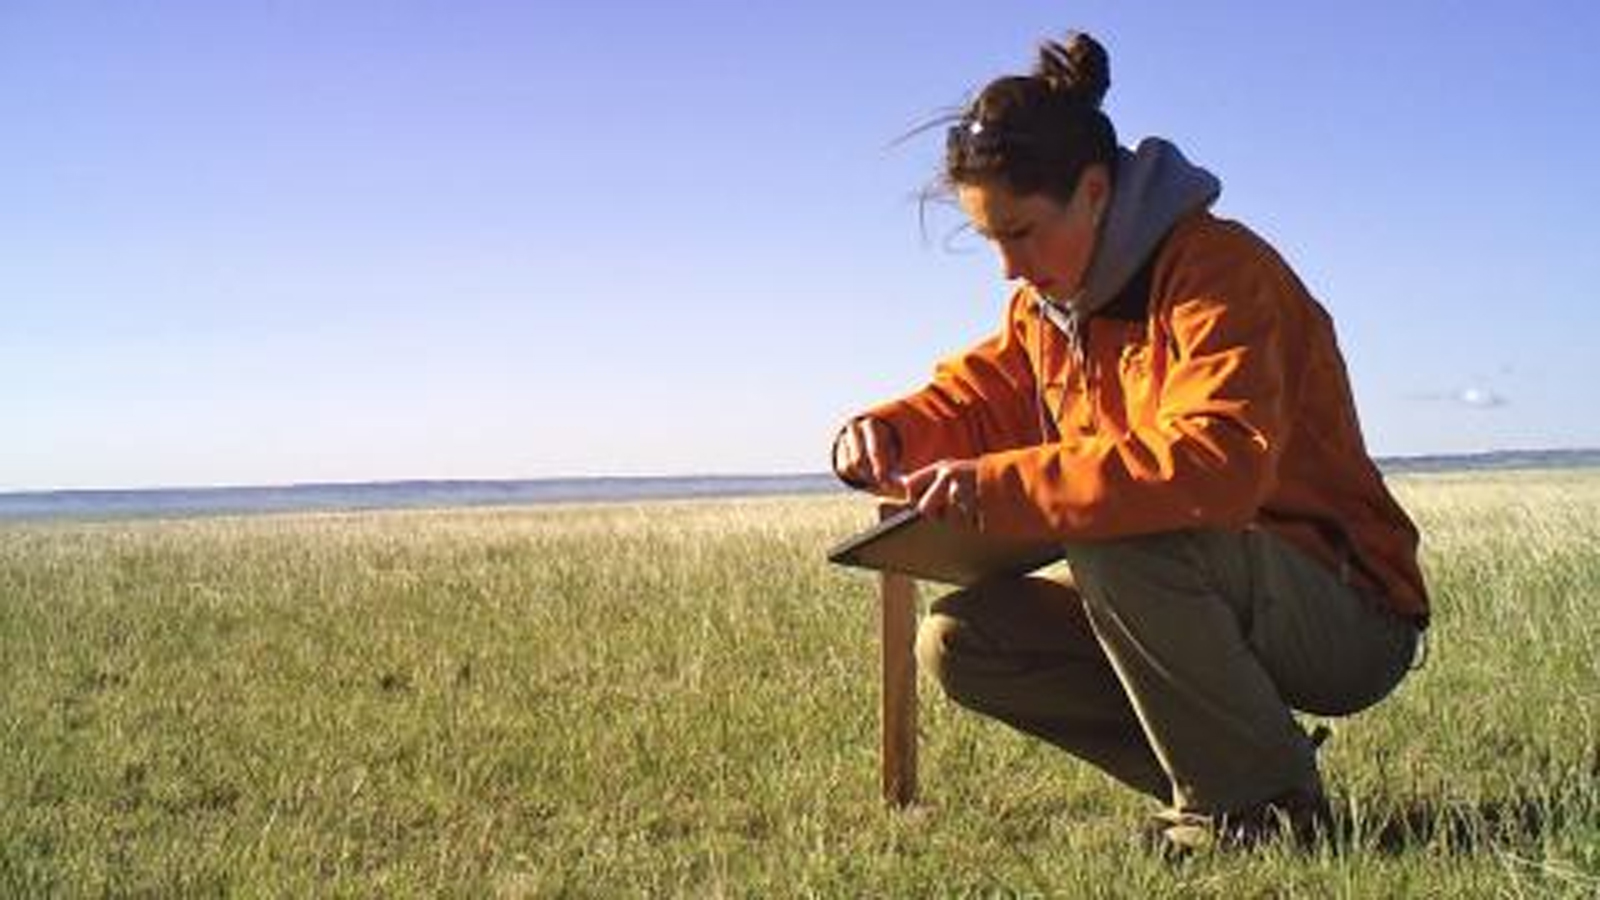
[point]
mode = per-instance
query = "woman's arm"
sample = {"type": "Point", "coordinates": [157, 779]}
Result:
{"type": "Point", "coordinates": [979, 401]}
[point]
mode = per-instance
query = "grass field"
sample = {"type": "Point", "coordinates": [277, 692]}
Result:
{"type": "Point", "coordinates": [680, 699]}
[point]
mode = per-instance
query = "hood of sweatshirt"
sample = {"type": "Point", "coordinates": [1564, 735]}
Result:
{"type": "Point", "coordinates": [1155, 187]}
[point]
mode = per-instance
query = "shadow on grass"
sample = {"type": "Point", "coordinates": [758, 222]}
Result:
{"type": "Point", "coordinates": [1461, 827]}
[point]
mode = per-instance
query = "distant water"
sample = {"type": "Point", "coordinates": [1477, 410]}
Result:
{"type": "Point", "coordinates": [173, 502]}
{"type": "Point", "coordinates": [96, 504]}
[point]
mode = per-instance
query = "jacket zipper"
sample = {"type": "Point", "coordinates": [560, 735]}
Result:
{"type": "Point", "coordinates": [1090, 389]}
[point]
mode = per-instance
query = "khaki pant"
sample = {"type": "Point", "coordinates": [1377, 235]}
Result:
{"type": "Point", "coordinates": [1173, 662]}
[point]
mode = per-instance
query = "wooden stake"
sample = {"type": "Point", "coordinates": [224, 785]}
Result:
{"type": "Point", "coordinates": [898, 630]}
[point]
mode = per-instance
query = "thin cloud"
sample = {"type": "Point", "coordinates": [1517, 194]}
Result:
{"type": "Point", "coordinates": [1472, 396]}
{"type": "Point", "coordinates": [1482, 398]}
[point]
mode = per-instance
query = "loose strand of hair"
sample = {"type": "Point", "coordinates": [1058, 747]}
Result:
{"type": "Point", "coordinates": [948, 115]}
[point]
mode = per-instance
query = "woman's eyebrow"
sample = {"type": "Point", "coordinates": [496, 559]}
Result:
{"type": "Point", "coordinates": [1003, 228]}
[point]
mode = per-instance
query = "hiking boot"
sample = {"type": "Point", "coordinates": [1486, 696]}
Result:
{"type": "Point", "coordinates": [1300, 816]}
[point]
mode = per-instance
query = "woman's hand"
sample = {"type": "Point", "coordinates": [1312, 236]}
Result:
{"type": "Point", "coordinates": [947, 489]}
{"type": "Point", "coordinates": [868, 455]}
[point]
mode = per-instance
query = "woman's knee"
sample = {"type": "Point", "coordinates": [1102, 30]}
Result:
{"type": "Point", "coordinates": [938, 638]}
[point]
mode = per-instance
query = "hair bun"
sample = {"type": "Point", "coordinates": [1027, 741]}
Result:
{"type": "Point", "coordinates": [1076, 66]}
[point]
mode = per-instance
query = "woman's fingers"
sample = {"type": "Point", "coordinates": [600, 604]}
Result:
{"type": "Point", "coordinates": [916, 487]}
{"type": "Point", "coordinates": [943, 490]}
{"type": "Point", "coordinates": [935, 499]}
{"type": "Point", "coordinates": [856, 463]}
{"type": "Point", "coordinates": [933, 489]}
{"type": "Point", "coordinates": [873, 446]}
{"type": "Point", "coordinates": [869, 452]}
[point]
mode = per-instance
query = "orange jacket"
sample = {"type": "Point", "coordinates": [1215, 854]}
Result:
{"type": "Point", "coordinates": [1214, 396]}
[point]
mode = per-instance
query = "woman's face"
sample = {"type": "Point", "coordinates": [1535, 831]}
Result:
{"type": "Point", "coordinates": [1042, 241]}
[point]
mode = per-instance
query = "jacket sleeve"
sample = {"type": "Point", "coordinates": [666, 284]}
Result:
{"type": "Point", "coordinates": [979, 401]}
{"type": "Point", "coordinates": [1209, 458]}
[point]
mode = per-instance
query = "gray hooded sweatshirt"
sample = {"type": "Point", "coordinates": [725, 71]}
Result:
{"type": "Point", "coordinates": [1155, 186]}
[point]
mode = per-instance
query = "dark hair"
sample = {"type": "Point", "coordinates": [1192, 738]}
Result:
{"type": "Point", "coordinates": [1037, 133]}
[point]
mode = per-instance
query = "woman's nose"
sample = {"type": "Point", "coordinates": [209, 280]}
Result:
{"type": "Point", "coordinates": [1011, 262]}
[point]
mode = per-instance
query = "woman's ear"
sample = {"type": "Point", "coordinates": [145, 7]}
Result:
{"type": "Point", "coordinates": [1094, 190]}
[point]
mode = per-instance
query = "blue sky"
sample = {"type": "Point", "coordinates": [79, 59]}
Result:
{"type": "Point", "coordinates": [270, 242]}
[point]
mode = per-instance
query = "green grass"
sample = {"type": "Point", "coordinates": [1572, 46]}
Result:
{"type": "Point", "coordinates": [680, 699]}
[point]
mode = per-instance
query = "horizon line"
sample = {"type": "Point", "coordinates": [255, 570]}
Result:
{"type": "Point", "coordinates": [1398, 460]}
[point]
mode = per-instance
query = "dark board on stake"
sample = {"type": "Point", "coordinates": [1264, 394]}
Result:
{"type": "Point", "coordinates": [913, 544]}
